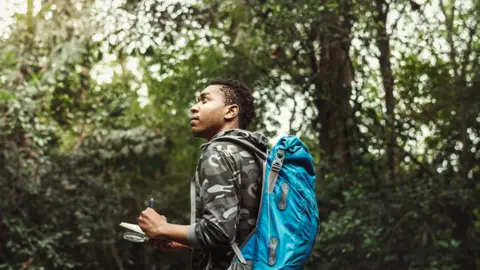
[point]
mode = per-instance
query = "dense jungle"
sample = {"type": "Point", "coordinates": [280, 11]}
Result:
{"type": "Point", "coordinates": [95, 99]}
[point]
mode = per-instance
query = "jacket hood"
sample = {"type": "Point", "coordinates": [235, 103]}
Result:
{"type": "Point", "coordinates": [256, 139]}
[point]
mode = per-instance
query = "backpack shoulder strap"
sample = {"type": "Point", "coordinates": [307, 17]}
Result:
{"type": "Point", "coordinates": [275, 169]}
{"type": "Point", "coordinates": [263, 156]}
{"type": "Point", "coordinates": [250, 147]}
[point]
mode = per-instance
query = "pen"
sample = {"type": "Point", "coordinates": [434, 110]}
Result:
{"type": "Point", "coordinates": [151, 203]}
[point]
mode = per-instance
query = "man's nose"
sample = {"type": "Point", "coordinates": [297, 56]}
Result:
{"type": "Point", "coordinates": [194, 108]}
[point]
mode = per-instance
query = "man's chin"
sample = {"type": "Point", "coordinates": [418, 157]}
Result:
{"type": "Point", "coordinates": [196, 132]}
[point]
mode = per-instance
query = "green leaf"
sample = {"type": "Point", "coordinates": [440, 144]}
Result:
{"type": "Point", "coordinates": [454, 243]}
{"type": "Point", "coordinates": [444, 244]}
{"type": "Point", "coordinates": [5, 96]}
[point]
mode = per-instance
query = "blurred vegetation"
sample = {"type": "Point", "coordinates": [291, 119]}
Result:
{"type": "Point", "coordinates": [94, 105]}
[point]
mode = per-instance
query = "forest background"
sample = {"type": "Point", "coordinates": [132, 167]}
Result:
{"type": "Point", "coordinates": [94, 106]}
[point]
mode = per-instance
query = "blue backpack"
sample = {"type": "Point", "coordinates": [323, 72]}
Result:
{"type": "Point", "coordinates": [287, 222]}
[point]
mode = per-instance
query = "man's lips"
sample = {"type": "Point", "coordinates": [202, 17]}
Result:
{"type": "Point", "coordinates": [193, 119]}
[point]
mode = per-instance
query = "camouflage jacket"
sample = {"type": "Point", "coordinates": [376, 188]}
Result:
{"type": "Point", "coordinates": [226, 198]}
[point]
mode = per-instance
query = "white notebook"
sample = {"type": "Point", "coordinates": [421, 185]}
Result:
{"type": "Point", "coordinates": [132, 227]}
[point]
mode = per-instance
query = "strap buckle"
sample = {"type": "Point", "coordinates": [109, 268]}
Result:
{"type": "Point", "coordinates": [278, 161]}
{"type": "Point", "coordinates": [276, 167]}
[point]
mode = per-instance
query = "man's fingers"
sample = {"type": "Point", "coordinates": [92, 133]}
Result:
{"type": "Point", "coordinates": [144, 213]}
{"type": "Point", "coordinates": [148, 210]}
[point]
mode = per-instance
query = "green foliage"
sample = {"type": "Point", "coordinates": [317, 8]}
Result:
{"type": "Point", "coordinates": [94, 106]}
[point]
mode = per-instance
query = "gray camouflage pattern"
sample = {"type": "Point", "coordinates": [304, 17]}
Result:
{"type": "Point", "coordinates": [227, 194]}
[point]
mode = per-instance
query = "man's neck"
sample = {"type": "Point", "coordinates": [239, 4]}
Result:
{"type": "Point", "coordinates": [224, 128]}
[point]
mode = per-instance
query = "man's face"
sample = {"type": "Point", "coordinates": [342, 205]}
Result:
{"type": "Point", "coordinates": [208, 115]}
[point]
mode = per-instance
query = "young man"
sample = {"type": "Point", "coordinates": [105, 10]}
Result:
{"type": "Point", "coordinates": [225, 197]}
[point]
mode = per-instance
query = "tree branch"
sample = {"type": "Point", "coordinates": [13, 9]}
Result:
{"type": "Point", "coordinates": [449, 25]}
{"type": "Point", "coordinates": [468, 51]}
{"type": "Point", "coordinates": [116, 257]}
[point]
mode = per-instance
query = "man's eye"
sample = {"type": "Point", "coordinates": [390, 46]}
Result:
{"type": "Point", "coordinates": [204, 99]}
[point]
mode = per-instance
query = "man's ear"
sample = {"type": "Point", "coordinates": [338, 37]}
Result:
{"type": "Point", "coordinates": [231, 111]}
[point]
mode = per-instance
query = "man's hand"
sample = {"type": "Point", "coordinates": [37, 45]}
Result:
{"type": "Point", "coordinates": [156, 226]}
{"type": "Point", "coordinates": [167, 246]}
{"type": "Point", "coordinates": [152, 223]}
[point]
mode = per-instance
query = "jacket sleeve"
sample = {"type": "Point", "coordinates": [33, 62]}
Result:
{"type": "Point", "coordinates": [219, 192]}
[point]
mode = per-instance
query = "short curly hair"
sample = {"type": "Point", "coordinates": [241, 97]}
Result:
{"type": "Point", "coordinates": [236, 92]}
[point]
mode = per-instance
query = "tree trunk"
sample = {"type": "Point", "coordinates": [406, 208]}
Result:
{"type": "Point", "coordinates": [333, 89]}
{"type": "Point", "coordinates": [460, 81]}
{"type": "Point", "coordinates": [383, 44]}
